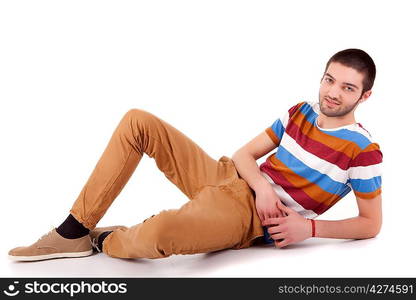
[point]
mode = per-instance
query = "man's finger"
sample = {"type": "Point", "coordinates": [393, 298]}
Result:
{"type": "Point", "coordinates": [278, 236]}
{"type": "Point", "coordinates": [282, 244]}
{"type": "Point", "coordinates": [272, 221]}
{"type": "Point", "coordinates": [275, 229]}
{"type": "Point", "coordinates": [286, 209]}
{"type": "Point", "coordinates": [267, 221]}
{"type": "Point", "coordinates": [279, 213]}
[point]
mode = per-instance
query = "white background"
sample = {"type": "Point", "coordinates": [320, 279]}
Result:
{"type": "Point", "coordinates": [219, 71]}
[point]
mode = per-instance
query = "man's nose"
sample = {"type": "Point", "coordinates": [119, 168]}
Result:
{"type": "Point", "coordinates": [333, 92]}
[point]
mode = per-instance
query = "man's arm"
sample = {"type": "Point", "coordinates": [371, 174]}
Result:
{"type": "Point", "coordinates": [366, 225]}
{"type": "Point", "coordinates": [245, 160]}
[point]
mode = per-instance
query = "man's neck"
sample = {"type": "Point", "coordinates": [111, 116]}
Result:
{"type": "Point", "coordinates": [334, 122]}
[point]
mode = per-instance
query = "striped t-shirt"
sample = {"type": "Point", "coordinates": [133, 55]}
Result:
{"type": "Point", "coordinates": [313, 168]}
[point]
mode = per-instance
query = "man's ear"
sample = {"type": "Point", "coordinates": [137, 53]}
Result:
{"type": "Point", "coordinates": [365, 96]}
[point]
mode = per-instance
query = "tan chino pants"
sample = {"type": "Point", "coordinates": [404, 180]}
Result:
{"type": "Point", "coordinates": [221, 212]}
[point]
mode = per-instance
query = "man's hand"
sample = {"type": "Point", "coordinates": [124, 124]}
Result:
{"type": "Point", "coordinates": [267, 204]}
{"type": "Point", "coordinates": [289, 229]}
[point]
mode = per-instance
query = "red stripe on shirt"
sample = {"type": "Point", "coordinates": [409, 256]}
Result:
{"type": "Point", "coordinates": [317, 148]}
{"type": "Point", "coordinates": [367, 158]}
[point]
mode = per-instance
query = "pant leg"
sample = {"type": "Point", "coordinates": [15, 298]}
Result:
{"type": "Point", "coordinates": [219, 217]}
{"type": "Point", "coordinates": [183, 162]}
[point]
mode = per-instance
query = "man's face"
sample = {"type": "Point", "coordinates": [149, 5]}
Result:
{"type": "Point", "coordinates": [340, 90]}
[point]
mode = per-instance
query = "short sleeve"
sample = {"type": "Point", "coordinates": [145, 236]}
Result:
{"type": "Point", "coordinates": [276, 130]}
{"type": "Point", "coordinates": [365, 172]}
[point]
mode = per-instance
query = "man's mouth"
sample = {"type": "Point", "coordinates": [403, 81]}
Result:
{"type": "Point", "coordinates": [331, 103]}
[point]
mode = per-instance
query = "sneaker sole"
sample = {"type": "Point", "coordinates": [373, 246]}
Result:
{"type": "Point", "coordinates": [51, 256]}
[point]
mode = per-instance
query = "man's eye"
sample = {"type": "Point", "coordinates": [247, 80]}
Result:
{"type": "Point", "coordinates": [349, 88]}
{"type": "Point", "coordinates": [328, 79]}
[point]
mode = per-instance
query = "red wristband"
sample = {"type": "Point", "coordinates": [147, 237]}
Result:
{"type": "Point", "coordinates": [313, 227]}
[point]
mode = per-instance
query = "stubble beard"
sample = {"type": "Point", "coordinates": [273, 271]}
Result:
{"type": "Point", "coordinates": [339, 111]}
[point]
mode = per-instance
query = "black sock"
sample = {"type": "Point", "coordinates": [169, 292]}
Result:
{"type": "Point", "coordinates": [101, 238]}
{"type": "Point", "coordinates": [72, 229]}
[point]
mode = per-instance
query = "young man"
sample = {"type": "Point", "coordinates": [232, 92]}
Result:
{"type": "Point", "coordinates": [322, 154]}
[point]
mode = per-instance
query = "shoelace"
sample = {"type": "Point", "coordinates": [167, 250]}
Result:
{"type": "Point", "coordinates": [48, 233]}
{"type": "Point", "coordinates": [94, 244]}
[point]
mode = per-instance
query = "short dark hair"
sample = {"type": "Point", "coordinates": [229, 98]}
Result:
{"type": "Point", "coordinates": [358, 60]}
